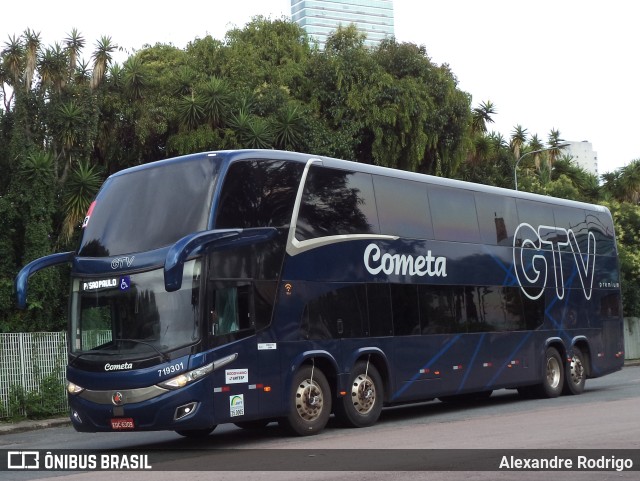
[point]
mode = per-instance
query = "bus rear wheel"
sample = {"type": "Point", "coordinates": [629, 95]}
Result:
{"type": "Point", "coordinates": [362, 404]}
{"type": "Point", "coordinates": [553, 374]}
{"type": "Point", "coordinates": [310, 402]}
{"type": "Point", "coordinates": [576, 375]}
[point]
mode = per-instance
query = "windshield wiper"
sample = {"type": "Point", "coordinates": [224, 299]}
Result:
{"type": "Point", "coordinates": [162, 355]}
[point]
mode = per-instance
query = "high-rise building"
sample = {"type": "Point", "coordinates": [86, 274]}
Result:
{"type": "Point", "coordinates": [582, 154]}
{"type": "Point", "coordinates": [320, 18]}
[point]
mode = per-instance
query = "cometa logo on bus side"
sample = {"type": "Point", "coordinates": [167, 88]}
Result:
{"type": "Point", "coordinates": [401, 264]}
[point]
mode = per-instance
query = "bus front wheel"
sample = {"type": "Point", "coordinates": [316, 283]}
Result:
{"type": "Point", "coordinates": [553, 374]}
{"type": "Point", "coordinates": [310, 400]}
{"type": "Point", "coordinates": [362, 404]}
{"type": "Point", "coordinates": [576, 375]}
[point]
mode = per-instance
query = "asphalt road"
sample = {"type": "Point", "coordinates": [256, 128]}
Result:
{"type": "Point", "coordinates": [606, 417]}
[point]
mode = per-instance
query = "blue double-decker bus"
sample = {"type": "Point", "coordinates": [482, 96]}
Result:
{"type": "Point", "coordinates": [253, 286]}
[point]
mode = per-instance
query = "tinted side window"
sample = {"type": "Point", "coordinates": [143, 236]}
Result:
{"type": "Point", "coordinates": [453, 212]}
{"type": "Point", "coordinates": [601, 225]}
{"type": "Point", "coordinates": [406, 312]}
{"type": "Point", "coordinates": [497, 217]}
{"type": "Point", "coordinates": [337, 314]}
{"type": "Point", "coordinates": [576, 220]}
{"type": "Point", "coordinates": [336, 202]}
{"type": "Point", "coordinates": [536, 214]}
{"type": "Point", "coordinates": [258, 193]}
{"type": "Point", "coordinates": [403, 207]}
{"type": "Point", "coordinates": [379, 304]}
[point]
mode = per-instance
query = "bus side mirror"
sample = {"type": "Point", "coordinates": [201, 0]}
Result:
{"type": "Point", "coordinates": [34, 266]}
{"type": "Point", "coordinates": [181, 250]}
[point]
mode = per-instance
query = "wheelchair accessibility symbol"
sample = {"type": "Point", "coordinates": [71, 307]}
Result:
{"type": "Point", "coordinates": [125, 283]}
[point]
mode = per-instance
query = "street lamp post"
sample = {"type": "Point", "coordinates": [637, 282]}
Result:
{"type": "Point", "coordinates": [515, 169]}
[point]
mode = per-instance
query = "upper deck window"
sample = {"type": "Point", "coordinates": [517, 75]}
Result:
{"type": "Point", "coordinates": [453, 212]}
{"type": "Point", "coordinates": [336, 202]}
{"type": "Point", "coordinates": [150, 208]}
{"type": "Point", "coordinates": [258, 193]}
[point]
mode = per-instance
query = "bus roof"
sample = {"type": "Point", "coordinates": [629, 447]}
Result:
{"type": "Point", "coordinates": [229, 156]}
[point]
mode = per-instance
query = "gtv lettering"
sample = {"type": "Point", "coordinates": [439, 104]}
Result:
{"type": "Point", "coordinates": [400, 264]}
{"type": "Point", "coordinates": [532, 270]}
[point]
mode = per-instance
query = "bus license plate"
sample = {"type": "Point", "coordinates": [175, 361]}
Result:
{"type": "Point", "coordinates": [121, 424]}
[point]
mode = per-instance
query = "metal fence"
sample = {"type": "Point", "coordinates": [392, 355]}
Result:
{"type": "Point", "coordinates": [25, 360]}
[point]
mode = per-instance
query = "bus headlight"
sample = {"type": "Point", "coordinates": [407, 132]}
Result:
{"type": "Point", "coordinates": [186, 378]}
{"type": "Point", "coordinates": [74, 388]}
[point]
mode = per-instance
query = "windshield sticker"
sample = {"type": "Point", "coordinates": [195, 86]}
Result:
{"type": "Point", "coordinates": [236, 376]}
{"type": "Point", "coordinates": [101, 284]}
{"type": "Point", "coordinates": [236, 405]}
{"type": "Point", "coordinates": [88, 216]}
{"type": "Point", "coordinates": [125, 283]}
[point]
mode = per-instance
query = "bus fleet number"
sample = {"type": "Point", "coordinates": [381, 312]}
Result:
{"type": "Point", "coordinates": [170, 369]}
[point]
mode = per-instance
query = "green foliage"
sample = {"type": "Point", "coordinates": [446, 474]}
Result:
{"type": "Point", "coordinates": [626, 218]}
{"type": "Point", "coordinates": [72, 122]}
{"type": "Point", "coordinates": [46, 401]}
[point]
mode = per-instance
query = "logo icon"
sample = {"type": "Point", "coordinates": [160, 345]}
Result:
{"type": "Point", "coordinates": [117, 398]}
{"type": "Point", "coordinates": [23, 460]}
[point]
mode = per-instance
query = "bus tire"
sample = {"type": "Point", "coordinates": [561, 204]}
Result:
{"type": "Point", "coordinates": [576, 374]}
{"type": "Point", "coordinates": [552, 374]}
{"type": "Point", "coordinates": [310, 402]}
{"type": "Point", "coordinates": [362, 404]}
{"type": "Point", "coordinates": [195, 433]}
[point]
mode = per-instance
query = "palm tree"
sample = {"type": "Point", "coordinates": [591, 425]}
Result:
{"type": "Point", "coordinates": [190, 111]}
{"type": "Point", "coordinates": [134, 77]}
{"type": "Point", "coordinates": [215, 96]}
{"type": "Point", "coordinates": [75, 43]}
{"type": "Point", "coordinates": [101, 60]}
{"type": "Point", "coordinates": [82, 186]}
{"type": "Point", "coordinates": [52, 67]}
{"type": "Point", "coordinates": [554, 141]}
{"type": "Point", "coordinates": [481, 115]}
{"type": "Point", "coordinates": [37, 165]}
{"type": "Point", "coordinates": [289, 127]}
{"type": "Point", "coordinates": [13, 59]}
{"type": "Point", "coordinates": [71, 117]}
{"type": "Point", "coordinates": [629, 182]}
{"type": "Point", "coordinates": [32, 46]}
{"type": "Point", "coordinates": [518, 139]}
{"type": "Point", "coordinates": [81, 74]}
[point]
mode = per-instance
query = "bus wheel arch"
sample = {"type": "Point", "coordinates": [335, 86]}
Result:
{"type": "Point", "coordinates": [310, 397]}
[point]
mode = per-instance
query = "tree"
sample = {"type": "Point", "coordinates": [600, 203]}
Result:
{"type": "Point", "coordinates": [482, 115]}
{"type": "Point", "coordinates": [518, 138]}
{"type": "Point", "coordinates": [101, 59]}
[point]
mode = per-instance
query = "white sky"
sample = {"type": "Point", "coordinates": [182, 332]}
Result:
{"type": "Point", "coordinates": [572, 65]}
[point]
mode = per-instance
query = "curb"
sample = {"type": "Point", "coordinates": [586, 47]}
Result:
{"type": "Point", "coordinates": [23, 426]}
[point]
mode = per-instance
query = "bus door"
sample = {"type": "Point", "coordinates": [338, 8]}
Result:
{"type": "Point", "coordinates": [231, 332]}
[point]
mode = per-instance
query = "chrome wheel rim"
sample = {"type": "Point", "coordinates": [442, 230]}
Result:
{"type": "Point", "coordinates": [309, 400]}
{"type": "Point", "coordinates": [363, 394]}
{"type": "Point", "coordinates": [577, 370]}
{"type": "Point", "coordinates": [553, 372]}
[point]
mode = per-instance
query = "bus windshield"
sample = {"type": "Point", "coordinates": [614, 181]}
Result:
{"type": "Point", "coordinates": [149, 208]}
{"type": "Point", "coordinates": [133, 316]}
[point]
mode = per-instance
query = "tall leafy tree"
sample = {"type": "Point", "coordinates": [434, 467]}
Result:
{"type": "Point", "coordinates": [102, 57]}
